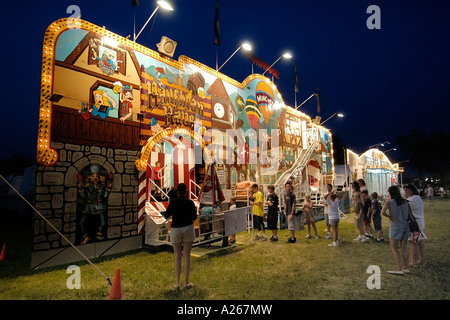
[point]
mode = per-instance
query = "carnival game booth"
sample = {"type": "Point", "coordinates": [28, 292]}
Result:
{"type": "Point", "coordinates": [375, 168]}
{"type": "Point", "coordinates": [110, 109]}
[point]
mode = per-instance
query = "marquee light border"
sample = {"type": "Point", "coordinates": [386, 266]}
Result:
{"type": "Point", "coordinates": [141, 163]}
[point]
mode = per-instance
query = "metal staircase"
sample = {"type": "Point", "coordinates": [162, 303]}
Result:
{"type": "Point", "coordinates": [298, 166]}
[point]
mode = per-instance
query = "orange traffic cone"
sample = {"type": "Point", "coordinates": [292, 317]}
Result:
{"type": "Point", "coordinates": [116, 289]}
{"type": "Point", "coordinates": [3, 254]}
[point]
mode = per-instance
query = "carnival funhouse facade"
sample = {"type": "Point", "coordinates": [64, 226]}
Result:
{"type": "Point", "coordinates": [111, 108]}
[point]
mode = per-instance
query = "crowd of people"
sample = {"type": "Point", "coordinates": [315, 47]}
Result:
{"type": "Point", "coordinates": [367, 211]}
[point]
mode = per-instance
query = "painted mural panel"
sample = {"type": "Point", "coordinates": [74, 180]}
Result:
{"type": "Point", "coordinates": [88, 142]}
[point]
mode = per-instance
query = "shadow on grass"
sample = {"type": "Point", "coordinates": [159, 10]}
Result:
{"type": "Point", "coordinates": [16, 232]}
{"type": "Point", "coordinates": [193, 293]}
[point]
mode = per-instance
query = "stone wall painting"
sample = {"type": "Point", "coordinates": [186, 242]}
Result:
{"type": "Point", "coordinates": [94, 187]}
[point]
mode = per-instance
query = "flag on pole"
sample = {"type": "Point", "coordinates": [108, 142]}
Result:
{"type": "Point", "coordinates": [317, 93]}
{"type": "Point", "coordinates": [216, 26]}
{"type": "Point", "coordinates": [211, 191]}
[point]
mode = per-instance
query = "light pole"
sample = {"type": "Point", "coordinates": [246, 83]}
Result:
{"type": "Point", "coordinates": [339, 114]}
{"type": "Point", "coordinates": [392, 149]}
{"type": "Point", "coordinates": [163, 4]}
{"type": "Point", "coordinates": [381, 144]}
{"type": "Point", "coordinates": [286, 55]}
{"type": "Point", "coordinates": [246, 46]}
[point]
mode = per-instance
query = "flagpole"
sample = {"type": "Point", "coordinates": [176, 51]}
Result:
{"type": "Point", "coordinates": [305, 100]}
{"type": "Point", "coordinates": [217, 58]}
{"type": "Point", "coordinates": [295, 83]}
{"type": "Point", "coordinates": [295, 97]}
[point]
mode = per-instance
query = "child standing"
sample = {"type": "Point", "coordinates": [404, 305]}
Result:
{"type": "Point", "coordinates": [307, 208]}
{"type": "Point", "coordinates": [272, 218]}
{"type": "Point", "coordinates": [258, 211]}
{"type": "Point", "coordinates": [357, 208]}
{"type": "Point", "coordinates": [289, 209]}
{"type": "Point", "coordinates": [367, 213]}
{"type": "Point", "coordinates": [333, 211]}
{"type": "Point", "coordinates": [376, 216]}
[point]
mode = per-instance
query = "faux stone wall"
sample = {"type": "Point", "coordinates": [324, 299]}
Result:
{"type": "Point", "coordinates": [57, 194]}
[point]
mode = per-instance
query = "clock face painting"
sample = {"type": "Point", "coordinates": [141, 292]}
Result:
{"type": "Point", "coordinates": [219, 110]}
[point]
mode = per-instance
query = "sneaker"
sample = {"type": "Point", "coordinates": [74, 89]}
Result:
{"type": "Point", "coordinates": [274, 239]}
{"type": "Point", "coordinates": [333, 244]}
{"type": "Point", "coordinates": [380, 240]}
{"type": "Point", "coordinates": [290, 240]}
{"type": "Point", "coordinates": [264, 238]}
{"type": "Point", "coordinates": [257, 237]}
{"type": "Point", "coordinates": [369, 236]}
{"type": "Point", "coordinates": [397, 273]}
{"type": "Point", "coordinates": [328, 236]}
{"type": "Point", "coordinates": [308, 236]}
{"type": "Point", "coordinates": [363, 239]}
{"type": "Point", "coordinates": [406, 271]}
{"type": "Point", "coordinates": [317, 237]}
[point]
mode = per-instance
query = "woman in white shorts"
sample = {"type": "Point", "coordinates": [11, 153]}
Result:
{"type": "Point", "coordinates": [183, 213]}
{"type": "Point", "coordinates": [398, 228]}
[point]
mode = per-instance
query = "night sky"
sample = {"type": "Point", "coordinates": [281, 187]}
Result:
{"type": "Point", "coordinates": [386, 81]}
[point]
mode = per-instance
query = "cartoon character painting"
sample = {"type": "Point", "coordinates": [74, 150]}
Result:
{"type": "Point", "coordinates": [94, 186]}
{"type": "Point", "coordinates": [103, 103]}
{"type": "Point", "coordinates": [126, 102]}
{"type": "Point", "coordinates": [108, 60]}
{"type": "Point", "coordinates": [155, 126]}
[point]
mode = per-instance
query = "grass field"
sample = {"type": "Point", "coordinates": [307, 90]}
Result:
{"type": "Point", "coordinates": [308, 269]}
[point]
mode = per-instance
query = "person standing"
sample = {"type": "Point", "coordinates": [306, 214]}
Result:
{"type": "Point", "coordinates": [258, 211]}
{"type": "Point", "coordinates": [183, 213]}
{"type": "Point", "coordinates": [430, 194]}
{"type": "Point", "coordinates": [417, 243]}
{"type": "Point", "coordinates": [325, 214]}
{"type": "Point", "coordinates": [358, 215]}
{"type": "Point", "coordinates": [398, 228]}
{"type": "Point", "coordinates": [376, 216]}
{"type": "Point", "coordinates": [289, 209]}
{"type": "Point", "coordinates": [333, 203]}
{"type": "Point", "coordinates": [307, 207]}
{"type": "Point", "coordinates": [367, 213]}
{"type": "Point", "coordinates": [362, 185]}
{"type": "Point", "coordinates": [272, 217]}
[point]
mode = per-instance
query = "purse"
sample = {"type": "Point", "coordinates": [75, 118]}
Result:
{"type": "Point", "coordinates": [413, 225]}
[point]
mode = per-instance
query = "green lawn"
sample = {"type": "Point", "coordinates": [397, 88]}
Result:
{"type": "Point", "coordinates": [308, 269]}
